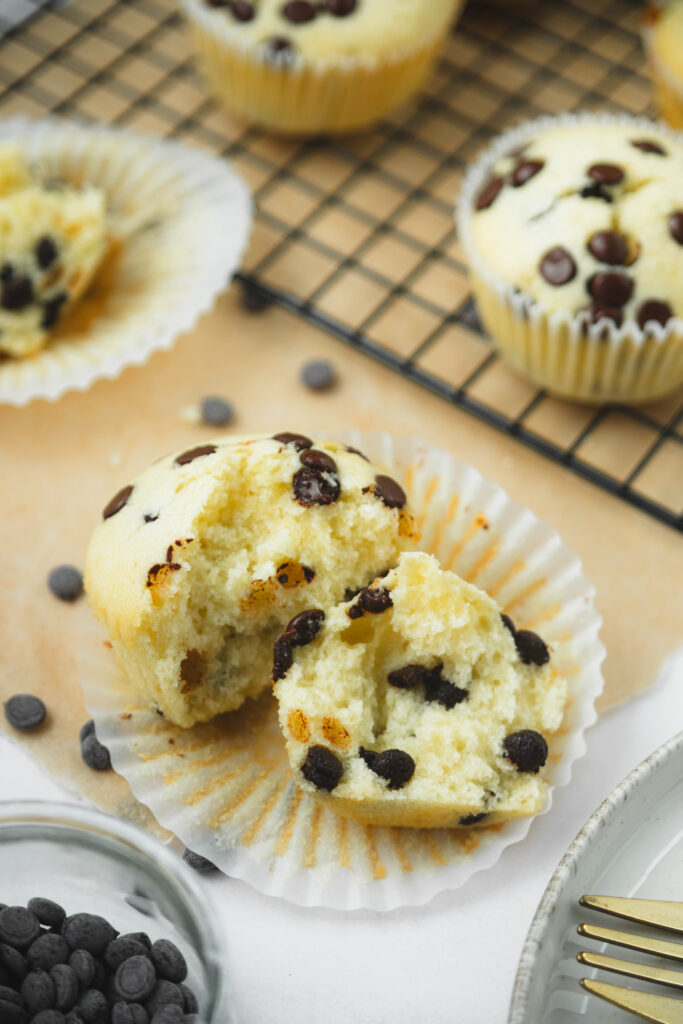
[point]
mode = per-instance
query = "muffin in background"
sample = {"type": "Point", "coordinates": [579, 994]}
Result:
{"type": "Point", "coordinates": [573, 230]}
{"type": "Point", "coordinates": [306, 68]}
{"type": "Point", "coordinates": [663, 41]}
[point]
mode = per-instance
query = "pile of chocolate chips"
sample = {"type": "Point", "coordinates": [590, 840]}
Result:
{"type": "Point", "coordinates": [56, 969]}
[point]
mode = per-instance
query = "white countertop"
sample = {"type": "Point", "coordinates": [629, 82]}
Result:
{"type": "Point", "coordinates": [452, 960]}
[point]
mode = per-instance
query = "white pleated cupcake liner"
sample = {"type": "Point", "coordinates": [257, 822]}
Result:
{"type": "Point", "coordinates": [179, 220]}
{"type": "Point", "coordinates": [225, 788]}
{"type": "Point", "coordinates": [558, 349]}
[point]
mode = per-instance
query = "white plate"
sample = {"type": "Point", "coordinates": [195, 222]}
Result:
{"type": "Point", "coordinates": [631, 846]}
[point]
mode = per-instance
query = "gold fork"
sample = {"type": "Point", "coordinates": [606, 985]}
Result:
{"type": "Point", "coordinates": [662, 914]}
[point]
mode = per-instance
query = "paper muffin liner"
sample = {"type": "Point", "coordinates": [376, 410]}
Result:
{"type": "Point", "coordinates": [559, 350]}
{"type": "Point", "coordinates": [306, 96]}
{"type": "Point", "coordinates": [166, 262]}
{"type": "Point", "coordinates": [225, 788]}
{"type": "Point", "coordinates": [668, 84]}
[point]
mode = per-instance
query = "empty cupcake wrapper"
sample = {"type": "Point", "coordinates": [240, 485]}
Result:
{"type": "Point", "coordinates": [225, 788]}
{"type": "Point", "coordinates": [167, 262]}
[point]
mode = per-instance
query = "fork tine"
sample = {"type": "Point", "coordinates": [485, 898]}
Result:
{"type": "Point", "coordinates": [659, 913]}
{"type": "Point", "coordinates": [659, 1009]}
{"type": "Point", "coordinates": [662, 975]}
{"type": "Point", "coordinates": [643, 943]}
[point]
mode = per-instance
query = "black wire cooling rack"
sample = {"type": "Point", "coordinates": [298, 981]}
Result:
{"type": "Point", "coordinates": [356, 235]}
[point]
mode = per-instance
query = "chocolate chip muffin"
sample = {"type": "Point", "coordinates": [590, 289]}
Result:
{"type": "Point", "coordinates": [198, 565]}
{"type": "Point", "coordinates": [312, 66]}
{"type": "Point", "coordinates": [417, 703]}
{"type": "Point", "coordinates": [573, 228]}
{"type": "Point", "coordinates": [52, 239]}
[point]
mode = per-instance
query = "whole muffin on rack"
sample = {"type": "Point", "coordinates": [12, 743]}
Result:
{"type": "Point", "coordinates": [417, 703]}
{"type": "Point", "coordinates": [663, 40]}
{"type": "Point", "coordinates": [573, 229]}
{"type": "Point", "coordinates": [314, 66]}
{"type": "Point", "coordinates": [199, 564]}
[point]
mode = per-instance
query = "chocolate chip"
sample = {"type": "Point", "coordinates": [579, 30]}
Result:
{"type": "Point", "coordinates": [168, 961]}
{"type": "Point", "coordinates": [596, 312]}
{"type": "Point", "coordinates": [129, 1013]}
{"type": "Point", "coordinates": [92, 1007]}
{"type": "Point", "coordinates": [165, 993]}
{"type": "Point", "coordinates": [442, 691]}
{"type": "Point", "coordinates": [282, 657]}
{"type": "Point", "coordinates": [391, 493]}
{"type": "Point", "coordinates": [149, 518]}
{"type": "Point", "coordinates": [95, 754]}
{"type": "Point", "coordinates": [13, 961]}
{"type": "Point", "coordinates": [409, 676]}
{"type": "Point", "coordinates": [557, 266]}
{"type": "Point", "coordinates": [25, 712]}
{"type": "Point", "coordinates": [190, 1004]}
{"type": "Point", "coordinates": [396, 766]}
{"type": "Point", "coordinates": [52, 310]}
{"type": "Point", "coordinates": [198, 863]}
{"type": "Point", "coordinates": [83, 965]}
{"type": "Point", "coordinates": [508, 623]}
{"type": "Point", "coordinates": [375, 600]}
{"type": "Point", "coordinates": [527, 750]}
{"type": "Point", "coordinates": [367, 755]}
{"type": "Point", "coordinates": [38, 992]}
{"type": "Point", "coordinates": [472, 819]}
{"type": "Point", "coordinates": [606, 174]}
{"type": "Point", "coordinates": [88, 931]}
{"type": "Point", "coordinates": [254, 298]}
{"type": "Point", "coordinates": [340, 8]}
{"type": "Point", "coordinates": [654, 309]}
{"type": "Point", "coordinates": [488, 194]}
{"type": "Point", "coordinates": [121, 949]}
{"type": "Point", "coordinates": [117, 502]}
{"type": "Point", "coordinates": [217, 411]}
{"type": "Point", "coordinates": [595, 191]}
{"type": "Point", "coordinates": [304, 627]}
{"type": "Point", "coordinates": [299, 11]}
{"type": "Point", "coordinates": [355, 451]}
{"type": "Point", "coordinates": [676, 226]}
{"type": "Point", "coordinates": [318, 374]}
{"type": "Point", "coordinates": [19, 927]}
{"type": "Point", "coordinates": [87, 729]}
{"type": "Point", "coordinates": [610, 288]}
{"type": "Point", "coordinates": [194, 453]}
{"type": "Point", "coordinates": [47, 950]}
{"type": "Point", "coordinates": [66, 582]}
{"type": "Point", "coordinates": [168, 1014]}
{"type": "Point", "coordinates": [609, 247]}
{"type": "Point", "coordinates": [6, 271]}
{"type": "Point", "coordinates": [279, 50]}
{"type": "Point", "coordinates": [242, 10]}
{"type": "Point", "coordinates": [10, 1013]}
{"type": "Point", "coordinates": [17, 293]}
{"type": "Point", "coordinates": [10, 996]}
{"type": "Point", "coordinates": [321, 462]}
{"type": "Point", "coordinates": [532, 649]}
{"type": "Point", "coordinates": [135, 979]}
{"type": "Point", "coordinates": [322, 768]}
{"type": "Point", "coordinates": [526, 170]}
{"type": "Point", "coordinates": [298, 441]}
{"type": "Point", "coordinates": [312, 487]}
{"type": "Point", "coordinates": [647, 146]}
{"type": "Point", "coordinates": [46, 251]}
{"type": "Point", "coordinates": [65, 981]}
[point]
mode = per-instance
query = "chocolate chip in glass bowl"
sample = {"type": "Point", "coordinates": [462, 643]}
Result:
{"type": "Point", "coordinates": [19, 927]}
{"type": "Point", "coordinates": [299, 11]}
{"type": "Point", "coordinates": [88, 931]}
{"type": "Point", "coordinates": [129, 1013]}
{"type": "Point", "coordinates": [648, 146]}
{"type": "Point", "coordinates": [66, 582]}
{"type": "Point", "coordinates": [322, 768]}
{"type": "Point", "coordinates": [390, 492]}
{"type": "Point", "coordinates": [525, 171]}
{"type": "Point", "coordinates": [135, 979]}
{"type": "Point", "coordinates": [557, 266]}
{"type": "Point", "coordinates": [119, 500]}
{"type": "Point", "coordinates": [394, 765]}
{"type": "Point", "coordinates": [531, 648]}
{"type": "Point", "coordinates": [609, 247]}
{"type": "Point", "coordinates": [610, 288]}
{"type": "Point", "coordinates": [654, 310]}
{"type": "Point", "coordinates": [676, 226]}
{"type": "Point", "coordinates": [526, 749]}
{"type": "Point", "coordinates": [606, 174]}
{"type": "Point", "coordinates": [48, 912]}
{"type": "Point", "coordinates": [23, 711]}
{"type": "Point", "coordinates": [488, 193]}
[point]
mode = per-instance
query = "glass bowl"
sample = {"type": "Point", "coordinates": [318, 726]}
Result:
{"type": "Point", "coordinates": [89, 861]}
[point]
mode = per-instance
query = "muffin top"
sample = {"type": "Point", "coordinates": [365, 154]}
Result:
{"type": "Point", "coordinates": [283, 29]}
{"type": "Point", "coordinates": [588, 217]}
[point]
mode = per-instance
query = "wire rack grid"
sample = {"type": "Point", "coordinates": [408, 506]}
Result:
{"type": "Point", "coordinates": [357, 234]}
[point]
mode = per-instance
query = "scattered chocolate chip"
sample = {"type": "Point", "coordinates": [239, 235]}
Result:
{"type": "Point", "coordinates": [596, 312]}
{"type": "Point", "coordinates": [508, 623]}
{"type": "Point", "coordinates": [217, 411]}
{"type": "Point", "coordinates": [609, 247]}
{"type": "Point", "coordinates": [282, 657]}
{"type": "Point", "coordinates": [19, 927]}
{"type": "Point", "coordinates": [86, 730]}
{"type": "Point", "coordinates": [557, 266]}
{"type": "Point", "coordinates": [17, 293]}
{"type": "Point", "coordinates": [676, 226]}
{"type": "Point", "coordinates": [527, 750]}
{"type": "Point", "coordinates": [318, 374]}
{"type": "Point", "coordinates": [298, 441]}
{"type": "Point", "coordinates": [66, 582]}
{"type": "Point", "coordinates": [390, 492]}
{"type": "Point", "coordinates": [47, 950]}
{"type": "Point", "coordinates": [88, 931]}
{"type": "Point", "coordinates": [532, 649]}
{"type": "Point", "coordinates": [254, 298]}
{"type": "Point", "coordinates": [442, 691]}
{"type": "Point", "coordinates": [367, 755]}
{"type": "Point", "coordinates": [117, 502]}
{"type": "Point", "coordinates": [610, 288]}
{"type": "Point", "coordinates": [321, 462]}
{"type": "Point", "coordinates": [654, 309]}
{"type": "Point", "coordinates": [135, 979]}
{"type": "Point", "coordinates": [299, 11]}
{"type": "Point", "coordinates": [24, 712]}
{"type": "Point", "coordinates": [375, 600]}
{"type": "Point", "coordinates": [65, 981]}
{"type": "Point", "coordinates": [409, 676]}
{"type": "Point", "coordinates": [313, 487]}
{"type": "Point", "coordinates": [199, 863]}
{"type": "Point", "coordinates": [488, 194]}
{"type": "Point", "coordinates": [194, 453]}
{"type": "Point", "coordinates": [322, 768]}
{"type": "Point", "coordinates": [526, 170]}
{"type": "Point", "coordinates": [95, 754]}
{"type": "Point", "coordinates": [149, 518]}
{"type": "Point", "coordinates": [46, 252]}
{"type": "Point", "coordinates": [647, 146]}
{"type": "Point", "coordinates": [472, 819]}
{"type": "Point", "coordinates": [396, 766]}
{"type": "Point", "coordinates": [304, 627]}
{"type": "Point", "coordinates": [168, 961]}
{"type": "Point", "coordinates": [595, 191]}
{"type": "Point", "coordinates": [606, 174]}
{"type": "Point", "coordinates": [242, 10]}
